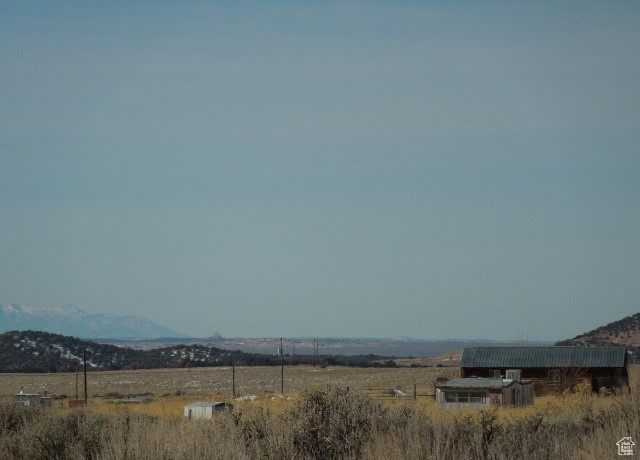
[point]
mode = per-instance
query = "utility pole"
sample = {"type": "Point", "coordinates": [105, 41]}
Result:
{"type": "Point", "coordinates": [281, 367]}
{"type": "Point", "coordinates": [77, 383]}
{"type": "Point", "coordinates": [233, 378]}
{"type": "Point", "coordinates": [84, 358]}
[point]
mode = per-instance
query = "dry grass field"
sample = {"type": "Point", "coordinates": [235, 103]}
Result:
{"type": "Point", "coordinates": [316, 418]}
{"type": "Point", "coordinates": [218, 380]}
{"type": "Point", "coordinates": [171, 389]}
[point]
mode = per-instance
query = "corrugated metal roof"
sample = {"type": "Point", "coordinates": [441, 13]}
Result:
{"type": "Point", "coordinates": [475, 382]}
{"type": "Point", "coordinates": [205, 404]}
{"type": "Point", "coordinates": [552, 357]}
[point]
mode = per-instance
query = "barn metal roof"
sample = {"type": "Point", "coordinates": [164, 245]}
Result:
{"type": "Point", "coordinates": [479, 383]}
{"type": "Point", "coordinates": [521, 357]}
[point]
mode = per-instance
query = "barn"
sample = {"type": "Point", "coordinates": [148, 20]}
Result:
{"type": "Point", "coordinates": [552, 369]}
{"type": "Point", "coordinates": [481, 392]}
{"type": "Point", "coordinates": [206, 409]}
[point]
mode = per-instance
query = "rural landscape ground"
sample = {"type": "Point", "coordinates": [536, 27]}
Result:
{"type": "Point", "coordinates": [203, 382]}
{"type": "Point", "coordinates": [382, 410]}
{"type": "Point", "coordinates": [324, 412]}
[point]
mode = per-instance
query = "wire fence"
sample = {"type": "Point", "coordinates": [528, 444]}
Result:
{"type": "Point", "coordinates": [400, 394]}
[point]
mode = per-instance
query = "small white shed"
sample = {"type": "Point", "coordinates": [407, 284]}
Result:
{"type": "Point", "coordinates": [206, 409]}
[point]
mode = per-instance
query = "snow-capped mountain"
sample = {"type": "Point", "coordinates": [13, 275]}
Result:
{"type": "Point", "coordinates": [70, 320]}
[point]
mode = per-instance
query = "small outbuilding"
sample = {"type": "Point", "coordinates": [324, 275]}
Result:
{"type": "Point", "coordinates": [480, 393]}
{"type": "Point", "coordinates": [27, 399]}
{"type": "Point", "coordinates": [206, 409]}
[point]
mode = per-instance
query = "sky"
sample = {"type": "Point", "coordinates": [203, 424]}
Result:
{"type": "Point", "coordinates": [324, 169]}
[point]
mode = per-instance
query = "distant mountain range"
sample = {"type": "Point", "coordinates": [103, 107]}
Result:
{"type": "Point", "coordinates": [70, 320]}
{"type": "Point", "coordinates": [624, 332]}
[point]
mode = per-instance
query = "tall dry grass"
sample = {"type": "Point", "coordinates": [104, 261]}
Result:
{"type": "Point", "coordinates": [332, 423]}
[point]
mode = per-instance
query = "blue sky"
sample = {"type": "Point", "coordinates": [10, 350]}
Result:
{"type": "Point", "coordinates": [335, 169]}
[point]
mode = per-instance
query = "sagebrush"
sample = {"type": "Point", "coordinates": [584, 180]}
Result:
{"type": "Point", "coordinates": [332, 423]}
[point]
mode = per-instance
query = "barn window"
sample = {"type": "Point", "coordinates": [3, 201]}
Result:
{"type": "Point", "coordinates": [514, 374]}
{"type": "Point", "coordinates": [494, 373]}
{"type": "Point", "coordinates": [554, 376]}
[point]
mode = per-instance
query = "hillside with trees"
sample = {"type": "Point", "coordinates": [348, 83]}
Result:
{"type": "Point", "coordinates": [624, 332]}
{"type": "Point", "coordinates": [36, 351]}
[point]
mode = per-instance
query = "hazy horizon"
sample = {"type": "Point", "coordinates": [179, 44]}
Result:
{"type": "Point", "coordinates": [342, 169]}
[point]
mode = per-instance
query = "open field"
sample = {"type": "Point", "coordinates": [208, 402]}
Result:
{"type": "Point", "coordinates": [311, 420]}
{"type": "Point", "coordinates": [171, 389]}
{"type": "Point", "coordinates": [218, 380]}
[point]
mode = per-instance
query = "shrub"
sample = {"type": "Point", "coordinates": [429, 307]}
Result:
{"type": "Point", "coordinates": [334, 423]}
